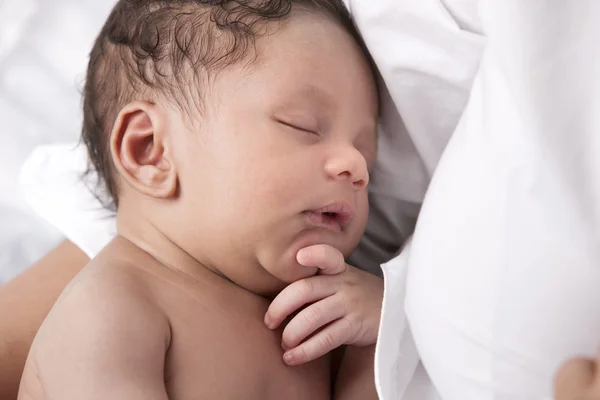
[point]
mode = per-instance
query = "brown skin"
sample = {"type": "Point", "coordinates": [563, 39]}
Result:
{"type": "Point", "coordinates": [25, 302]}
{"type": "Point", "coordinates": [578, 379]}
{"type": "Point", "coordinates": [355, 378]}
{"type": "Point", "coordinates": [211, 217]}
{"type": "Point", "coordinates": [164, 336]}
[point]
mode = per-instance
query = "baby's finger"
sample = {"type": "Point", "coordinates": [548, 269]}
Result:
{"type": "Point", "coordinates": [310, 320]}
{"type": "Point", "coordinates": [296, 295]}
{"type": "Point", "coordinates": [323, 342]}
{"type": "Point", "coordinates": [327, 258]}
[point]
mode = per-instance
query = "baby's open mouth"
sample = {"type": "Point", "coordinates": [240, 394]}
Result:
{"type": "Point", "coordinates": [334, 217]}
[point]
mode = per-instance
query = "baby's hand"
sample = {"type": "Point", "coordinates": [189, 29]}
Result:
{"type": "Point", "coordinates": [345, 301]}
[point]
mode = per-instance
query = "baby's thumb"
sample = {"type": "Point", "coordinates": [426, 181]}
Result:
{"type": "Point", "coordinates": [328, 259]}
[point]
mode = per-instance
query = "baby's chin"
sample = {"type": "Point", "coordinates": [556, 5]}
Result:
{"type": "Point", "coordinates": [282, 267]}
{"type": "Point", "coordinates": [269, 274]}
{"type": "Point", "coordinates": [285, 269]}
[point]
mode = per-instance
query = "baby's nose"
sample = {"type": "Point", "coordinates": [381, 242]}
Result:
{"type": "Point", "coordinates": [351, 165]}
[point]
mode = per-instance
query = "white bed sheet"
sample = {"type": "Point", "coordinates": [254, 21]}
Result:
{"type": "Point", "coordinates": [43, 55]}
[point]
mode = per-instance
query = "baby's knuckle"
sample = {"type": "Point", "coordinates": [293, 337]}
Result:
{"type": "Point", "coordinates": [349, 299]}
{"type": "Point", "coordinates": [327, 341]}
{"type": "Point", "coordinates": [351, 323]}
{"type": "Point", "coordinates": [302, 354]}
{"type": "Point", "coordinates": [348, 280]}
{"type": "Point", "coordinates": [343, 304]}
{"type": "Point", "coordinates": [312, 315]}
{"type": "Point", "coordinates": [352, 328]}
{"type": "Point", "coordinates": [305, 287]}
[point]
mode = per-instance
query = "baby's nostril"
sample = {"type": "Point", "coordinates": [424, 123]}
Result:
{"type": "Point", "coordinates": [361, 183]}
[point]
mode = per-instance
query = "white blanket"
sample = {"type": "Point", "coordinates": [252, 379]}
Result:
{"type": "Point", "coordinates": [43, 51]}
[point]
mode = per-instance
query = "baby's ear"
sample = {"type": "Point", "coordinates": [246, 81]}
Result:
{"type": "Point", "coordinates": [140, 150]}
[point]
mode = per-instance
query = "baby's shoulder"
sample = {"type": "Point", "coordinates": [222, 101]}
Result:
{"type": "Point", "coordinates": [103, 328]}
{"type": "Point", "coordinates": [108, 299]}
{"type": "Point", "coordinates": [107, 282]}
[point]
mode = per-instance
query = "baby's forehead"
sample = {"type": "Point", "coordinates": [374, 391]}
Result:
{"type": "Point", "coordinates": [309, 61]}
{"type": "Point", "coordinates": [316, 58]}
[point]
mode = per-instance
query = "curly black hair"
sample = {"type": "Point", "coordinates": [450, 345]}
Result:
{"type": "Point", "coordinates": [145, 47]}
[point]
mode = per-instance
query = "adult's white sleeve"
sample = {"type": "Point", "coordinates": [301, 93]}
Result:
{"type": "Point", "coordinates": [504, 271]}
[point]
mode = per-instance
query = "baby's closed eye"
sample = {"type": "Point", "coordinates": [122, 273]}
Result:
{"type": "Point", "coordinates": [302, 126]}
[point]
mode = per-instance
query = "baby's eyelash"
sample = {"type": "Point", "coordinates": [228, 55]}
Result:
{"type": "Point", "coordinates": [298, 128]}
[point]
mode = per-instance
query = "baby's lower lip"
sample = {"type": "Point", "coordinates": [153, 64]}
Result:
{"type": "Point", "coordinates": [319, 220]}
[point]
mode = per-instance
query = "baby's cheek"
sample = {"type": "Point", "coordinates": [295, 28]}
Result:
{"type": "Point", "coordinates": [362, 211]}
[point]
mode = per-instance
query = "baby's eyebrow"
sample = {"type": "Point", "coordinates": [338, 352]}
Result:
{"type": "Point", "coordinates": [314, 93]}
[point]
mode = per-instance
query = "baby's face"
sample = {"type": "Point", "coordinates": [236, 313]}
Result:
{"type": "Point", "coordinates": [280, 155]}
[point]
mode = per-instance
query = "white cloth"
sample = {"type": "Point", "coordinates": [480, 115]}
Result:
{"type": "Point", "coordinates": [43, 51]}
{"type": "Point", "coordinates": [398, 372]}
{"type": "Point", "coordinates": [504, 274]}
{"type": "Point", "coordinates": [53, 182]}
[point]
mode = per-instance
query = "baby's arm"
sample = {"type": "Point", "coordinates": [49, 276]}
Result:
{"type": "Point", "coordinates": [103, 340]}
{"type": "Point", "coordinates": [356, 377]}
{"type": "Point", "coordinates": [25, 302]}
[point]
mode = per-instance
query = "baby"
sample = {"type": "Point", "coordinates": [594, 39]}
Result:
{"type": "Point", "coordinates": [231, 135]}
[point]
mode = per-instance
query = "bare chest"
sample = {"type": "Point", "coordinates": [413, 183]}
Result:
{"type": "Point", "coordinates": [224, 351]}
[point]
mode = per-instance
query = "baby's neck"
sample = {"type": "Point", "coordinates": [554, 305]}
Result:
{"type": "Point", "coordinates": [155, 244]}
{"type": "Point", "coordinates": [166, 244]}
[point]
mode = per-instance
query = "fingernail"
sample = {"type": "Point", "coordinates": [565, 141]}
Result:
{"type": "Point", "coordinates": [284, 347]}
{"type": "Point", "coordinates": [288, 358]}
{"type": "Point", "coordinates": [302, 257]}
{"type": "Point", "coordinates": [268, 321]}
